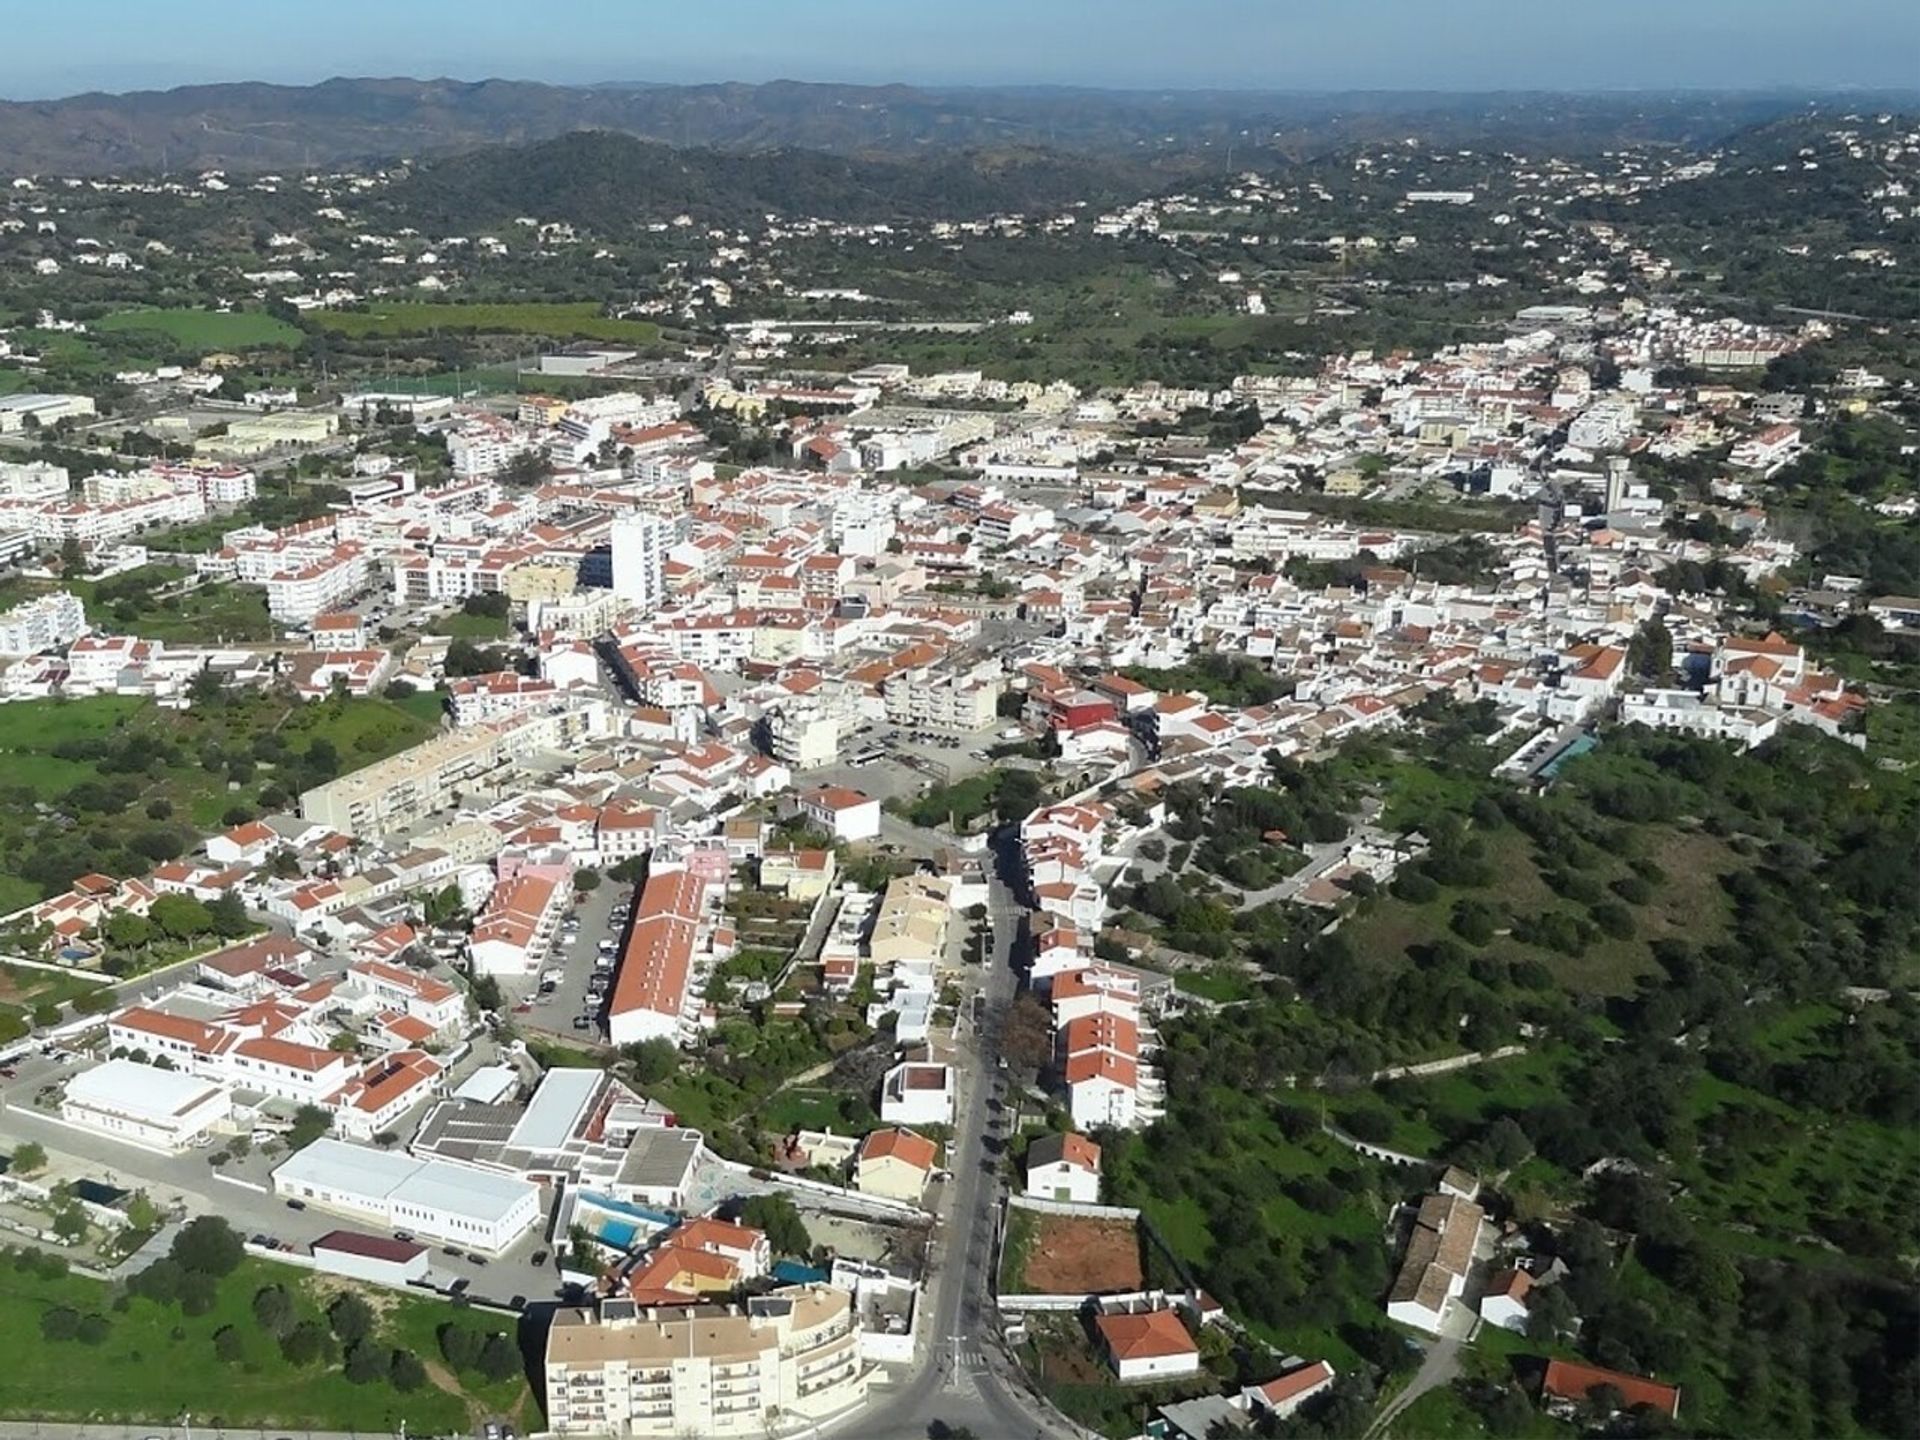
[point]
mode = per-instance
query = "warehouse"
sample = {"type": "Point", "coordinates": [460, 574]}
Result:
{"type": "Point", "coordinates": [430, 1198]}
{"type": "Point", "coordinates": [144, 1105]}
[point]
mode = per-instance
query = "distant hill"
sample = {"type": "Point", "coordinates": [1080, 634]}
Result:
{"type": "Point", "coordinates": [604, 182]}
{"type": "Point", "coordinates": [255, 127]}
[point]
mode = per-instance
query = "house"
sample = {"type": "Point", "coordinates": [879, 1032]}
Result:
{"type": "Point", "coordinates": [843, 812]}
{"type": "Point", "coordinates": [1282, 1396]}
{"type": "Point", "coordinates": [1567, 1385]}
{"type": "Point", "coordinates": [1064, 1166]}
{"type": "Point", "coordinates": [895, 1164]}
{"type": "Point", "coordinates": [1505, 1303]}
{"type": "Point", "coordinates": [1433, 1271]}
{"type": "Point", "coordinates": [1147, 1345]}
{"type": "Point", "coordinates": [799, 874]}
{"type": "Point", "coordinates": [917, 1093]}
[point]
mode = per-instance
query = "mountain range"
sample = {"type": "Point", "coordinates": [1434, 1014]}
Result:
{"type": "Point", "coordinates": [258, 127]}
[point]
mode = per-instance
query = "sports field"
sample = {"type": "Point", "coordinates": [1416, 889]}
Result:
{"type": "Point", "coordinates": [570, 321]}
{"type": "Point", "coordinates": [205, 330]}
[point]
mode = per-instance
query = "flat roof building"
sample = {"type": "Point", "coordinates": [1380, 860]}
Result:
{"type": "Point", "coordinates": [144, 1105]}
{"type": "Point", "coordinates": [792, 1356]}
{"type": "Point", "coordinates": [450, 1203]}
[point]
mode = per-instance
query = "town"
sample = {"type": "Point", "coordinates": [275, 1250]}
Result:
{"type": "Point", "coordinates": [749, 853]}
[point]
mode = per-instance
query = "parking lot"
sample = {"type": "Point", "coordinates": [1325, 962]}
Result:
{"type": "Point", "coordinates": [573, 1007]}
{"type": "Point", "coordinates": [888, 761]}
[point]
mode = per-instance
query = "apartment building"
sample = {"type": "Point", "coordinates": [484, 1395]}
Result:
{"type": "Point", "coordinates": [42, 623]}
{"type": "Point", "coordinates": [640, 544]}
{"type": "Point", "coordinates": [948, 704]}
{"type": "Point", "coordinates": [514, 934]}
{"type": "Point", "coordinates": [650, 989]}
{"type": "Point", "coordinates": [792, 1356]}
{"type": "Point", "coordinates": [302, 593]}
{"type": "Point", "coordinates": [411, 786]}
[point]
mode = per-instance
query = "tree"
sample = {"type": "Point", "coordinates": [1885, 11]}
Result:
{"type": "Point", "coordinates": [207, 1245]}
{"type": "Point", "coordinates": [777, 1217]}
{"type": "Point", "coordinates": [73, 559]}
{"type": "Point", "coordinates": [459, 1346]}
{"type": "Point", "coordinates": [310, 1122]}
{"type": "Point", "coordinates": [585, 882]}
{"type": "Point", "coordinates": [368, 1362]}
{"type": "Point", "coordinates": [305, 1343]}
{"type": "Point", "coordinates": [499, 1358]}
{"type": "Point", "coordinates": [229, 915]}
{"type": "Point", "coordinates": [406, 1372]}
{"type": "Point", "coordinates": [273, 1311]}
{"type": "Point", "coordinates": [199, 1292]}
{"type": "Point", "coordinates": [1027, 1037]}
{"type": "Point", "coordinates": [653, 1060]}
{"type": "Point", "coordinates": [181, 916]}
{"type": "Point", "coordinates": [29, 1158]}
{"type": "Point", "coordinates": [60, 1323]}
{"type": "Point", "coordinates": [351, 1319]}
{"type": "Point", "coordinates": [70, 1224]}
{"type": "Point", "coordinates": [159, 1282]}
{"type": "Point", "coordinates": [93, 1330]}
{"type": "Point", "coordinates": [1550, 1314]}
{"type": "Point", "coordinates": [228, 1344]}
{"type": "Point", "coordinates": [128, 931]}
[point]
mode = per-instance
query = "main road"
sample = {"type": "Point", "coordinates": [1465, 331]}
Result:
{"type": "Point", "coordinates": [958, 1378]}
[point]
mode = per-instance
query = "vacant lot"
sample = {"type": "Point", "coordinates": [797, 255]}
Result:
{"type": "Point", "coordinates": [560, 322]}
{"type": "Point", "coordinates": [206, 330]}
{"type": "Point", "coordinates": [1075, 1255]}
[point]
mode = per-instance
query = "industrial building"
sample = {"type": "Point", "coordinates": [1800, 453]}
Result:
{"type": "Point", "coordinates": [447, 1203]}
{"type": "Point", "coordinates": [144, 1105]}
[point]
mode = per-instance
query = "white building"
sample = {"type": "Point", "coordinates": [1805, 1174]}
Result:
{"type": "Point", "coordinates": [783, 1359]}
{"type": "Point", "coordinates": [916, 1093]}
{"type": "Point", "coordinates": [42, 623]}
{"type": "Point", "coordinates": [1064, 1166]}
{"type": "Point", "coordinates": [844, 813]}
{"type": "Point", "coordinates": [640, 544]}
{"type": "Point", "coordinates": [144, 1105]}
{"type": "Point", "coordinates": [451, 1204]}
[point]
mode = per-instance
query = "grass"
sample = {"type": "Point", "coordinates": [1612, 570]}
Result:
{"type": "Point", "coordinates": [175, 747]}
{"type": "Point", "coordinates": [569, 321]}
{"type": "Point", "coordinates": [205, 330]}
{"type": "Point", "coordinates": [462, 626]}
{"type": "Point", "coordinates": [157, 1363]}
{"type": "Point", "coordinates": [1688, 902]}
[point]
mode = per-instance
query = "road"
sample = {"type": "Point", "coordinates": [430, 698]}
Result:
{"type": "Point", "coordinates": [958, 1379]}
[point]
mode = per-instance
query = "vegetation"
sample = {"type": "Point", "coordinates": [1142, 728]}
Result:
{"type": "Point", "coordinates": [237, 1342]}
{"type": "Point", "coordinates": [573, 321]}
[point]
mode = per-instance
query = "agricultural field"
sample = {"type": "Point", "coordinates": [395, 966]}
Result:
{"type": "Point", "coordinates": [204, 331]}
{"type": "Point", "coordinates": [567, 321]}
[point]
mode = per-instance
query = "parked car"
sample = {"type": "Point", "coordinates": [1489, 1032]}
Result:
{"type": "Point", "coordinates": [539, 1257]}
{"type": "Point", "coordinates": [581, 1022]}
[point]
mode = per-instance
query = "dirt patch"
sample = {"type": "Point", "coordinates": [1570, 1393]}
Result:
{"type": "Point", "coordinates": [1081, 1255]}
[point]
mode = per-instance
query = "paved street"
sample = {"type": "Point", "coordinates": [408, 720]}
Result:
{"type": "Point", "coordinates": [958, 1379]}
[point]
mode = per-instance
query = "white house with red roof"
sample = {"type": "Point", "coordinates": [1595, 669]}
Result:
{"type": "Point", "coordinates": [1284, 1394]}
{"type": "Point", "coordinates": [433, 1002]}
{"type": "Point", "coordinates": [514, 933]}
{"type": "Point", "coordinates": [1063, 1165]}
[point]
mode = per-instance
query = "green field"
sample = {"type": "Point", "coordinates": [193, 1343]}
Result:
{"type": "Point", "coordinates": [205, 330]}
{"type": "Point", "coordinates": [572, 321]}
{"type": "Point", "coordinates": [139, 779]}
{"type": "Point", "coordinates": [462, 626]}
{"type": "Point", "coordinates": [157, 1363]}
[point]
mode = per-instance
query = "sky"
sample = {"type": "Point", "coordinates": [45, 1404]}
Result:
{"type": "Point", "coordinates": [60, 49]}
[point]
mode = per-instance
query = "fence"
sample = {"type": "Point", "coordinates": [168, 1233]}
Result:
{"type": "Point", "coordinates": [1072, 1207]}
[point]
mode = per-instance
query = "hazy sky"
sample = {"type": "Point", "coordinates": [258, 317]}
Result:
{"type": "Point", "coordinates": [57, 49]}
